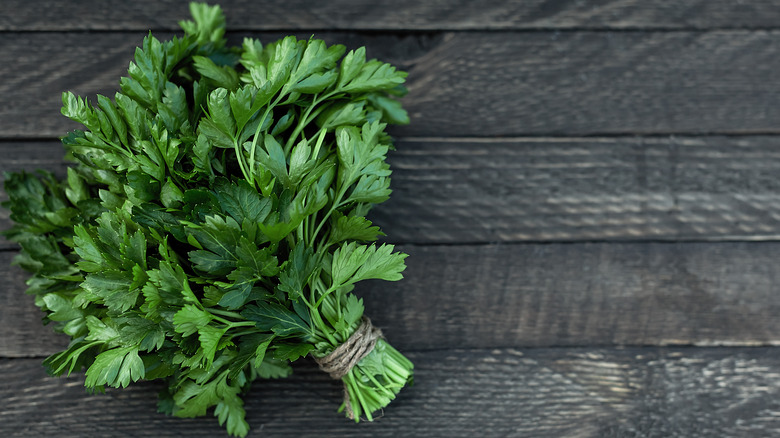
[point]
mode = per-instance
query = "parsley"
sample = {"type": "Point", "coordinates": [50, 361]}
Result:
{"type": "Point", "coordinates": [212, 227]}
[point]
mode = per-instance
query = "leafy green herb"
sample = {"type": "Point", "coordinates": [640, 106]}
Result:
{"type": "Point", "coordinates": [213, 225]}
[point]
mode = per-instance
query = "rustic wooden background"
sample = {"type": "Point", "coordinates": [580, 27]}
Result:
{"type": "Point", "coordinates": [589, 191]}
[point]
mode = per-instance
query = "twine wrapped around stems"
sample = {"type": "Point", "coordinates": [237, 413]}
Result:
{"type": "Point", "coordinates": [344, 357]}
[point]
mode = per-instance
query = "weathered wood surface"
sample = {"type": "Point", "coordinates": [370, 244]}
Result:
{"type": "Point", "coordinates": [538, 128]}
{"type": "Point", "coordinates": [459, 393]}
{"type": "Point", "coordinates": [536, 296]}
{"type": "Point", "coordinates": [573, 189]}
{"type": "Point", "coordinates": [403, 15]}
{"type": "Point", "coordinates": [557, 189]}
{"type": "Point", "coordinates": [473, 83]}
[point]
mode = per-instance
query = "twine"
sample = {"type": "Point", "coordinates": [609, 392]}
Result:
{"type": "Point", "coordinates": [344, 357]}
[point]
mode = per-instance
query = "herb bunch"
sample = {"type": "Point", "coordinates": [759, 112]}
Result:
{"type": "Point", "coordinates": [213, 225]}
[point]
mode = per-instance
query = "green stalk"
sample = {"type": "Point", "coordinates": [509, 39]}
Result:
{"type": "Point", "coordinates": [376, 379]}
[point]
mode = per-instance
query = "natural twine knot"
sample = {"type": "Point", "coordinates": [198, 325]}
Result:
{"type": "Point", "coordinates": [344, 357]}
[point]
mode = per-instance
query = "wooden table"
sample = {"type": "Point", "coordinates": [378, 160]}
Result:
{"type": "Point", "coordinates": [589, 192]}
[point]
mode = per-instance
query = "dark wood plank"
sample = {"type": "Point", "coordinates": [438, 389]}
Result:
{"type": "Point", "coordinates": [537, 296]}
{"type": "Point", "coordinates": [581, 295]}
{"type": "Point", "coordinates": [570, 189]}
{"type": "Point", "coordinates": [458, 393]}
{"type": "Point", "coordinates": [397, 15]}
{"type": "Point", "coordinates": [474, 83]}
{"type": "Point", "coordinates": [24, 334]}
{"type": "Point", "coordinates": [558, 189]}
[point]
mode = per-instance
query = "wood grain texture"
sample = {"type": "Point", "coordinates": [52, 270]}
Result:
{"type": "Point", "coordinates": [557, 189]}
{"type": "Point", "coordinates": [48, 15]}
{"type": "Point", "coordinates": [457, 393]}
{"type": "Point", "coordinates": [536, 296]}
{"type": "Point", "coordinates": [476, 83]}
{"type": "Point", "coordinates": [572, 189]}
{"type": "Point", "coordinates": [23, 332]}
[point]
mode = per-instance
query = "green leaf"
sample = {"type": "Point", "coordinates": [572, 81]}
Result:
{"type": "Point", "coordinates": [116, 367]}
{"type": "Point", "coordinates": [118, 125]}
{"type": "Point", "coordinates": [260, 261]}
{"type": "Point", "coordinates": [133, 248]}
{"type": "Point", "coordinates": [190, 319]}
{"type": "Point", "coordinates": [77, 190]}
{"type": "Point", "coordinates": [231, 411]}
{"type": "Point", "coordinates": [277, 318]}
{"type": "Point", "coordinates": [61, 309]}
{"type": "Point", "coordinates": [344, 320]}
{"type": "Point", "coordinates": [274, 159]}
{"type": "Point", "coordinates": [292, 352]}
{"type": "Point", "coordinates": [209, 337]}
{"type": "Point", "coordinates": [297, 271]}
{"type": "Point", "coordinates": [135, 330]}
{"type": "Point", "coordinates": [78, 355]}
{"type": "Point", "coordinates": [242, 202]}
{"type": "Point", "coordinates": [352, 228]}
{"type": "Point", "coordinates": [142, 187]}
{"type": "Point", "coordinates": [316, 58]}
{"type": "Point", "coordinates": [211, 263]}
{"type": "Point", "coordinates": [135, 115]}
{"type": "Point", "coordinates": [219, 234]}
{"type": "Point", "coordinates": [174, 109]}
{"type": "Point", "coordinates": [360, 154]}
{"type": "Point", "coordinates": [223, 76]}
{"type": "Point", "coordinates": [170, 195]}
{"type": "Point", "coordinates": [237, 295]}
{"type": "Point", "coordinates": [154, 217]}
{"type": "Point", "coordinates": [251, 349]}
{"type": "Point", "coordinates": [316, 83]}
{"type": "Point", "coordinates": [114, 288]}
{"type": "Point", "coordinates": [353, 263]}
{"type": "Point", "coordinates": [220, 112]}
{"type": "Point", "coordinates": [350, 66]}
{"type": "Point", "coordinates": [371, 189]}
{"type": "Point", "coordinates": [260, 351]}
{"type": "Point", "coordinates": [343, 114]}
{"type": "Point", "coordinates": [147, 78]}
{"type": "Point", "coordinates": [212, 132]}
{"type": "Point", "coordinates": [208, 25]}
{"type": "Point", "coordinates": [272, 368]}
{"type": "Point", "coordinates": [241, 105]}
{"type": "Point", "coordinates": [172, 283]}
{"type": "Point", "coordinates": [301, 163]}
{"type": "Point", "coordinates": [202, 155]}
{"type": "Point", "coordinates": [359, 76]}
{"type": "Point", "coordinates": [100, 331]}
{"type": "Point", "coordinates": [392, 111]}
{"type": "Point", "coordinates": [192, 399]}
{"type": "Point", "coordinates": [79, 110]}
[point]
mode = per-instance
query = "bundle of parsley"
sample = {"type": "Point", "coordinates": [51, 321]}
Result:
{"type": "Point", "coordinates": [213, 225]}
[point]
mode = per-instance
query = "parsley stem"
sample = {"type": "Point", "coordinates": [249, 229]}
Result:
{"type": "Point", "coordinates": [336, 204]}
{"type": "Point", "coordinates": [259, 128]}
{"type": "Point", "coordinates": [240, 158]}
{"type": "Point", "coordinates": [302, 122]}
{"type": "Point", "coordinates": [225, 313]}
{"type": "Point", "coordinates": [307, 118]}
{"type": "Point", "coordinates": [320, 324]}
{"type": "Point", "coordinates": [319, 143]}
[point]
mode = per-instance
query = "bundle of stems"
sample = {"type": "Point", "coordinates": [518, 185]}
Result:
{"type": "Point", "coordinates": [213, 225]}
